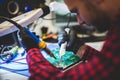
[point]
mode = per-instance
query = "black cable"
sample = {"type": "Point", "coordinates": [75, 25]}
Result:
{"type": "Point", "coordinates": [11, 21]}
{"type": "Point", "coordinates": [69, 20]}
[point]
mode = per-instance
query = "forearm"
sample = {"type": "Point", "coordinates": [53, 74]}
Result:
{"type": "Point", "coordinates": [34, 56]}
{"type": "Point", "coordinates": [39, 67]}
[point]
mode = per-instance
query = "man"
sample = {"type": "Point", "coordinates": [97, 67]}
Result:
{"type": "Point", "coordinates": [103, 65]}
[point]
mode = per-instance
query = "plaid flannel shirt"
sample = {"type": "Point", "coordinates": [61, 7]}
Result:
{"type": "Point", "coordinates": [101, 65]}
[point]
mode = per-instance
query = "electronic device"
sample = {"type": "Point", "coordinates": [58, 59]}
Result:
{"type": "Point", "coordinates": [12, 8]}
{"type": "Point", "coordinates": [66, 62]}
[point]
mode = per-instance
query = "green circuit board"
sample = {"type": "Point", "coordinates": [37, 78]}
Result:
{"type": "Point", "coordinates": [68, 59]}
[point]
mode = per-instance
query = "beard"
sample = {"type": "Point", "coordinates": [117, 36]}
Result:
{"type": "Point", "coordinates": [101, 21]}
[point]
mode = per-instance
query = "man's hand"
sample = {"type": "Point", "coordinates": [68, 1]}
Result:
{"type": "Point", "coordinates": [27, 40]}
{"type": "Point", "coordinates": [73, 42]}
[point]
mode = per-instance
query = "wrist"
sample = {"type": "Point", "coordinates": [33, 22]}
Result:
{"type": "Point", "coordinates": [77, 44]}
{"type": "Point", "coordinates": [81, 51]}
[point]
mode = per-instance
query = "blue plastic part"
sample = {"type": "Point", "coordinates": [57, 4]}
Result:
{"type": "Point", "coordinates": [33, 36]}
{"type": "Point", "coordinates": [1, 1]}
{"type": "Point", "coordinates": [28, 8]}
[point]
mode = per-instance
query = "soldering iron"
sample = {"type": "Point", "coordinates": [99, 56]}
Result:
{"type": "Point", "coordinates": [41, 44]}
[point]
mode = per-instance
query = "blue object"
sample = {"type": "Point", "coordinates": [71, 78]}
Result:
{"type": "Point", "coordinates": [1, 1]}
{"type": "Point", "coordinates": [33, 36]}
{"type": "Point", "coordinates": [28, 8]}
{"type": "Point", "coordinates": [17, 65]}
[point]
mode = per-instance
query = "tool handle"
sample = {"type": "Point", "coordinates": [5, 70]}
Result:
{"type": "Point", "coordinates": [41, 44]}
{"type": "Point", "coordinates": [33, 36]}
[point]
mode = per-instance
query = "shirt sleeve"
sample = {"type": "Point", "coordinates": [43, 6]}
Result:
{"type": "Point", "coordinates": [39, 67]}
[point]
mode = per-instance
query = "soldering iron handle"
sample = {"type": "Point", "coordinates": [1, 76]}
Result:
{"type": "Point", "coordinates": [32, 35]}
{"type": "Point", "coordinates": [41, 44]}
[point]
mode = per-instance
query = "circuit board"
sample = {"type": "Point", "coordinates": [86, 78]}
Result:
{"type": "Point", "coordinates": [67, 60]}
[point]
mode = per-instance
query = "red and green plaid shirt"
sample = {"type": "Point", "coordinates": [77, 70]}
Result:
{"type": "Point", "coordinates": [103, 65]}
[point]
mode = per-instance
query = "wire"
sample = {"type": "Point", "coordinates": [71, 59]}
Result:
{"type": "Point", "coordinates": [10, 69]}
{"type": "Point", "coordinates": [54, 18]}
{"type": "Point", "coordinates": [20, 40]}
{"type": "Point", "coordinates": [20, 63]}
{"type": "Point", "coordinates": [49, 19]}
{"type": "Point", "coordinates": [13, 60]}
{"type": "Point", "coordinates": [14, 70]}
{"type": "Point", "coordinates": [69, 20]}
{"type": "Point", "coordinates": [6, 56]}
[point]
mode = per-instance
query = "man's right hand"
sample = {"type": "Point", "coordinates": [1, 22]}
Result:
{"type": "Point", "coordinates": [27, 40]}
